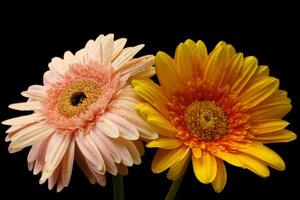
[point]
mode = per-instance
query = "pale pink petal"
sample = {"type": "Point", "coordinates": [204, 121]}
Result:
{"type": "Point", "coordinates": [90, 152]}
{"type": "Point", "coordinates": [35, 92]}
{"type": "Point", "coordinates": [81, 162]}
{"type": "Point", "coordinates": [108, 128]}
{"type": "Point", "coordinates": [23, 120]}
{"type": "Point", "coordinates": [118, 47]}
{"type": "Point", "coordinates": [126, 129]}
{"type": "Point", "coordinates": [137, 65]}
{"type": "Point", "coordinates": [53, 179]}
{"type": "Point", "coordinates": [56, 149]}
{"type": "Point", "coordinates": [135, 154]}
{"type": "Point", "coordinates": [28, 137]}
{"type": "Point", "coordinates": [59, 66]}
{"type": "Point", "coordinates": [67, 163]}
{"type": "Point", "coordinates": [26, 106]}
{"type": "Point", "coordinates": [110, 144]}
{"type": "Point", "coordinates": [105, 45]}
{"type": "Point", "coordinates": [109, 161]}
{"type": "Point", "coordinates": [125, 56]}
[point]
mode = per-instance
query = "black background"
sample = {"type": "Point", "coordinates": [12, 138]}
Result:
{"type": "Point", "coordinates": [31, 34]}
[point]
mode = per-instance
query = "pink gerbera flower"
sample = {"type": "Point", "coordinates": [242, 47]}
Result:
{"type": "Point", "coordinates": [84, 111]}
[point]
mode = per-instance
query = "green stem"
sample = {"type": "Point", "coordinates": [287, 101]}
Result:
{"type": "Point", "coordinates": [118, 186]}
{"type": "Point", "coordinates": [174, 188]}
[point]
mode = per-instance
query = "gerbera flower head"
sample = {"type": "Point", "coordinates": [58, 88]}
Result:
{"type": "Point", "coordinates": [85, 110]}
{"type": "Point", "coordinates": [212, 108]}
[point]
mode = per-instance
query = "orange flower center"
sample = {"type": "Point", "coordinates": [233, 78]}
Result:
{"type": "Point", "coordinates": [76, 98]}
{"type": "Point", "coordinates": [205, 120]}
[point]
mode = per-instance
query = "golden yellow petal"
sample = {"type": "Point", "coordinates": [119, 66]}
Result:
{"type": "Point", "coordinates": [262, 70]}
{"type": "Point", "coordinates": [152, 93]}
{"type": "Point", "coordinates": [205, 167]}
{"type": "Point", "coordinates": [269, 125]}
{"type": "Point", "coordinates": [184, 62]}
{"type": "Point", "coordinates": [275, 137]}
{"type": "Point", "coordinates": [228, 157]}
{"type": "Point", "coordinates": [265, 154]}
{"type": "Point", "coordinates": [165, 159]}
{"type": "Point", "coordinates": [179, 168]}
{"type": "Point", "coordinates": [166, 72]}
{"type": "Point", "coordinates": [221, 177]}
{"type": "Point", "coordinates": [253, 164]}
{"type": "Point", "coordinates": [258, 90]}
{"type": "Point", "coordinates": [199, 58]}
{"type": "Point", "coordinates": [159, 124]}
{"type": "Point", "coordinates": [191, 45]}
{"type": "Point", "coordinates": [275, 106]}
{"type": "Point", "coordinates": [233, 69]}
{"type": "Point", "coordinates": [247, 70]}
{"type": "Point", "coordinates": [196, 152]}
{"type": "Point", "coordinates": [165, 143]}
{"type": "Point", "coordinates": [214, 65]}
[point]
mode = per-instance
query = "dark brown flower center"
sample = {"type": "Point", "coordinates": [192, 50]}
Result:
{"type": "Point", "coordinates": [76, 98]}
{"type": "Point", "coordinates": [205, 120]}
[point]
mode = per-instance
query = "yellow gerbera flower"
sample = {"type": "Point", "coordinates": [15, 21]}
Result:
{"type": "Point", "coordinates": [213, 108]}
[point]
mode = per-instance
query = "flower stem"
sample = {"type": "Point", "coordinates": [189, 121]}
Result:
{"type": "Point", "coordinates": [174, 188]}
{"type": "Point", "coordinates": [118, 187]}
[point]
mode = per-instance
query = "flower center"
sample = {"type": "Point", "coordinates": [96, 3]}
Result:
{"type": "Point", "coordinates": [205, 120]}
{"type": "Point", "coordinates": [76, 98]}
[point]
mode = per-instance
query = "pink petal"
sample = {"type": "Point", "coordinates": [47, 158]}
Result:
{"type": "Point", "coordinates": [23, 120]}
{"type": "Point", "coordinates": [118, 47]}
{"type": "Point", "coordinates": [109, 161]}
{"type": "Point", "coordinates": [67, 163]}
{"type": "Point", "coordinates": [126, 129]}
{"type": "Point", "coordinates": [56, 149]}
{"type": "Point", "coordinates": [108, 128]}
{"type": "Point", "coordinates": [90, 152]}
{"type": "Point", "coordinates": [125, 56]}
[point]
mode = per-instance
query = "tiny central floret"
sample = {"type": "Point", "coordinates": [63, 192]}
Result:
{"type": "Point", "coordinates": [76, 98]}
{"type": "Point", "coordinates": [205, 120]}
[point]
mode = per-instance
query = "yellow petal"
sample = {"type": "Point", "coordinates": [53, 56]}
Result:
{"type": "Point", "coordinates": [233, 69]}
{"type": "Point", "coordinates": [247, 70]}
{"type": "Point", "coordinates": [253, 164]}
{"type": "Point", "coordinates": [265, 154]}
{"type": "Point", "coordinates": [196, 152]}
{"type": "Point", "coordinates": [199, 57]}
{"type": "Point", "coordinates": [191, 45]}
{"type": "Point", "coordinates": [274, 137]}
{"type": "Point", "coordinates": [165, 143]}
{"type": "Point", "coordinates": [262, 70]}
{"type": "Point", "coordinates": [229, 157]}
{"type": "Point", "coordinates": [221, 177]}
{"type": "Point", "coordinates": [165, 159]}
{"type": "Point", "coordinates": [166, 72]}
{"type": "Point", "coordinates": [183, 61]}
{"type": "Point", "coordinates": [179, 168]}
{"type": "Point", "coordinates": [159, 124]}
{"type": "Point", "coordinates": [214, 65]}
{"type": "Point", "coordinates": [271, 111]}
{"type": "Point", "coordinates": [205, 167]}
{"type": "Point", "coordinates": [275, 106]}
{"type": "Point", "coordinates": [152, 93]}
{"type": "Point", "coordinates": [258, 91]}
{"type": "Point", "coordinates": [270, 125]}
